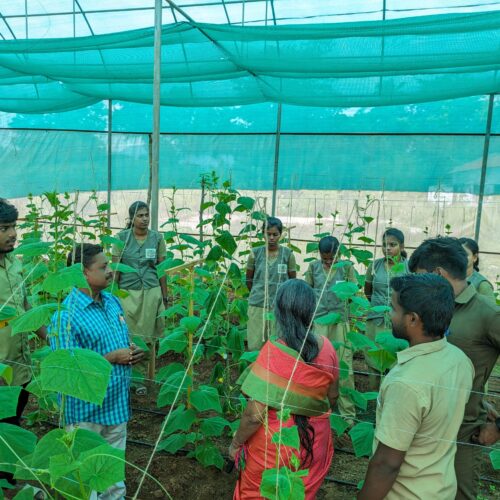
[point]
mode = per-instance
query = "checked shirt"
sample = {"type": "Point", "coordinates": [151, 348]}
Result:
{"type": "Point", "coordinates": [100, 327]}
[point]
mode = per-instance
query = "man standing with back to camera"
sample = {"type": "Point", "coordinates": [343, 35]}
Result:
{"type": "Point", "coordinates": [474, 328]}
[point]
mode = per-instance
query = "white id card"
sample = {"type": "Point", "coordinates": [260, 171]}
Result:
{"type": "Point", "coordinates": [282, 268]}
{"type": "Point", "coordinates": [151, 253]}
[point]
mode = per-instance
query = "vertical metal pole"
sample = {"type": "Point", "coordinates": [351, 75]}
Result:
{"type": "Point", "coordinates": [155, 157]}
{"type": "Point", "coordinates": [110, 154]}
{"type": "Point", "coordinates": [384, 9]}
{"type": "Point", "coordinates": [276, 160]}
{"type": "Point", "coordinates": [484, 166]}
{"type": "Point", "coordinates": [26, 17]}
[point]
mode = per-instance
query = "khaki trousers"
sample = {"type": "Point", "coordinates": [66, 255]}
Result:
{"type": "Point", "coordinates": [337, 333]}
{"type": "Point", "coordinates": [259, 329]}
{"type": "Point", "coordinates": [467, 469]}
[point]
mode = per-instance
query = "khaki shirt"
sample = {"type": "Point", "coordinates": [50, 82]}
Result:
{"type": "Point", "coordinates": [14, 350]}
{"type": "Point", "coordinates": [433, 380]}
{"type": "Point", "coordinates": [316, 276]}
{"type": "Point", "coordinates": [143, 256]}
{"type": "Point", "coordinates": [475, 329]}
{"type": "Point", "coordinates": [278, 268]}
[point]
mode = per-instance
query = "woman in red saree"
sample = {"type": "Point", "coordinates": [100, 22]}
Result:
{"type": "Point", "coordinates": [306, 385]}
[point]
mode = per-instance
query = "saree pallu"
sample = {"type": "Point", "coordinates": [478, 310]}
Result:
{"type": "Point", "coordinates": [267, 382]}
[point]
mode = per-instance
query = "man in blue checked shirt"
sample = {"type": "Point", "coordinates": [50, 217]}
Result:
{"type": "Point", "coordinates": [94, 319]}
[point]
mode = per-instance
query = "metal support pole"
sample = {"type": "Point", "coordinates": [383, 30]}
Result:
{"type": "Point", "coordinates": [110, 154]}
{"type": "Point", "coordinates": [484, 166]}
{"type": "Point", "coordinates": [384, 9]}
{"type": "Point", "coordinates": [155, 185]}
{"type": "Point", "coordinates": [276, 160]}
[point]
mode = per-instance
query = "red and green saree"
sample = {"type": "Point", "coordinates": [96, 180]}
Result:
{"type": "Point", "coordinates": [270, 381]}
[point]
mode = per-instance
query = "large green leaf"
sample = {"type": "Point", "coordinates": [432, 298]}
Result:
{"type": "Point", "coordinates": [249, 356]}
{"type": "Point", "coordinates": [246, 202]}
{"type": "Point", "coordinates": [213, 426]}
{"type": "Point", "coordinates": [344, 289]}
{"type": "Point", "coordinates": [27, 493]}
{"type": "Point", "coordinates": [338, 424]}
{"type": "Point", "coordinates": [6, 372]}
{"type": "Point", "coordinates": [215, 254]}
{"type": "Point", "coordinates": [360, 341]}
{"type": "Point", "coordinates": [283, 484]}
{"type": "Point", "coordinates": [355, 396]}
{"type": "Point", "coordinates": [166, 371]}
{"type": "Point", "coordinates": [170, 387]}
{"type": "Point", "coordinates": [110, 240]}
{"type": "Point", "coordinates": [208, 454]}
{"type": "Point", "coordinates": [65, 279]}
{"type": "Point", "coordinates": [312, 247]}
{"type": "Point", "coordinates": [226, 242]}
{"type": "Point", "coordinates": [173, 443]}
{"type": "Point", "coordinates": [14, 442]}
{"type": "Point", "coordinates": [289, 436]}
{"type": "Point", "coordinates": [102, 467]}
{"type": "Point", "coordinates": [362, 256]}
{"type": "Point", "coordinates": [8, 401]}
{"type": "Point", "coordinates": [7, 313]}
{"type": "Point", "coordinates": [180, 420]}
{"type": "Point", "coordinates": [177, 309]}
{"type": "Point", "coordinates": [329, 319]}
{"type": "Point", "coordinates": [495, 459]}
{"type": "Point", "coordinates": [81, 373]}
{"type": "Point", "coordinates": [382, 359]}
{"type": "Point", "coordinates": [362, 438]}
{"type": "Point", "coordinates": [391, 343]}
{"type": "Point", "coordinates": [191, 240]}
{"type": "Point", "coordinates": [166, 265]}
{"type": "Point", "coordinates": [175, 341]}
{"type": "Point", "coordinates": [34, 318]}
{"type": "Point", "coordinates": [190, 323]}
{"type": "Point", "coordinates": [206, 398]}
{"type": "Point", "coordinates": [33, 249]}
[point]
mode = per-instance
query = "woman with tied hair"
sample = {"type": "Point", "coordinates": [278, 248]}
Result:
{"type": "Point", "coordinates": [299, 370]}
{"type": "Point", "coordinates": [143, 249]}
{"type": "Point", "coordinates": [480, 282]}
{"type": "Point", "coordinates": [378, 290]}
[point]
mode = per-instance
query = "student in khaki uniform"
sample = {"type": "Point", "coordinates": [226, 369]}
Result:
{"type": "Point", "coordinates": [422, 399]}
{"type": "Point", "coordinates": [267, 268]}
{"type": "Point", "coordinates": [143, 250]}
{"type": "Point", "coordinates": [378, 291]}
{"type": "Point", "coordinates": [480, 282]}
{"type": "Point", "coordinates": [321, 278]}
{"type": "Point", "coordinates": [14, 350]}
{"type": "Point", "coordinates": [475, 329]}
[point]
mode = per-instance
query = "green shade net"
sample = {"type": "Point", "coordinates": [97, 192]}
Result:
{"type": "Point", "coordinates": [371, 63]}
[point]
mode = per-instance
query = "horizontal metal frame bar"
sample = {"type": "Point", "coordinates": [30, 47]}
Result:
{"type": "Point", "coordinates": [361, 134]}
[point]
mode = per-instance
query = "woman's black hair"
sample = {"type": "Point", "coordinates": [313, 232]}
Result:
{"type": "Point", "coordinates": [273, 222]}
{"type": "Point", "coordinates": [328, 244]}
{"type": "Point", "coordinates": [473, 247]}
{"type": "Point", "coordinates": [398, 234]}
{"type": "Point", "coordinates": [294, 311]}
{"type": "Point", "coordinates": [132, 212]}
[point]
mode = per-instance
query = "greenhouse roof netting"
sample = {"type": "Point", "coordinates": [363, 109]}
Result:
{"type": "Point", "coordinates": [369, 63]}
